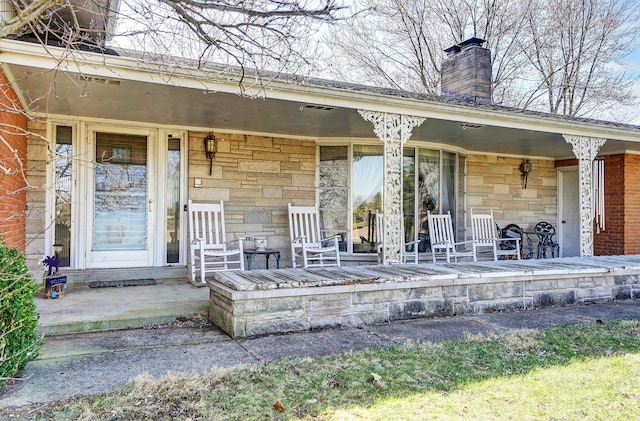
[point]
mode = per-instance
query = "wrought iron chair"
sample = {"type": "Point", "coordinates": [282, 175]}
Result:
{"type": "Point", "coordinates": [484, 233]}
{"type": "Point", "coordinates": [409, 250]}
{"type": "Point", "coordinates": [208, 249]}
{"type": "Point", "coordinates": [443, 240]}
{"type": "Point", "coordinates": [545, 232]}
{"type": "Point", "coordinates": [309, 244]}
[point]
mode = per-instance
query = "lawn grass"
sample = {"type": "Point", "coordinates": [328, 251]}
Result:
{"type": "Point", "coordinates": [575, 372]}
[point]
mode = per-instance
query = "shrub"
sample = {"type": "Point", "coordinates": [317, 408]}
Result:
{"type": "Point", "coordinates": [19, 340]}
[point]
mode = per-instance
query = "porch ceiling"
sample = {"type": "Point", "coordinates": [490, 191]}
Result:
{"type": "Point", "coordinates": [194, 107]}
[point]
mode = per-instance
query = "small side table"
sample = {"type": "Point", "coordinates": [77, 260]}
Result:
{"type": "Point", "coordinates": [250, 253]}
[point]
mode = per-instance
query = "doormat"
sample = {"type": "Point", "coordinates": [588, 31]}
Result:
{"type": "Point", "coordinates": [119, 284]}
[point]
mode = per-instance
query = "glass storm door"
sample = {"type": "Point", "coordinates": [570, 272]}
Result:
{"type": "Point", "coordinates": [122, 208]}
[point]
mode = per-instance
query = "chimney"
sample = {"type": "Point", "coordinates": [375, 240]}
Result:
{"type": "Point", "coordinates": [466, 72]}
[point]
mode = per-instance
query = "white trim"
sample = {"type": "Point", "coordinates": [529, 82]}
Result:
{"type": "Point", "coordinates": [161, 208]}
{"type": "Point", "coordinates": [560, 173]}
{"type": "Point", "coordinates": [16, 89]}
{"type": "Point", "coordinates": [50, 190]}
{"type": "Point", "coordinates": [74, 256]}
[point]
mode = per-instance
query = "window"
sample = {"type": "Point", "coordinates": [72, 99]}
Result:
{"type": "Point", "coordinates": [120, 198]}
{"type": "Point", "coordinates": [173, 200]}
{"type": "Point", "coordinates": [334, 189]}
{"type": "Point", "coordinates": [431, 181]}
{"type": "Point", "coordinates": [63, 187]}
{"type": "Point", "coordinates": [368, 178]}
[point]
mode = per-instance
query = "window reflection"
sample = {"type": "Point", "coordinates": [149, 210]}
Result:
{"type": "Point", "coordinates": [173, 200]}
{"type": "Point", "coordinates": [120, 199]}
{"type": "Point", "coordinates": [368, 176]}
{"type": "Point", "coordinates": [64, 185]}
{"type": "Point", "coordinates": [334, 190]}
{"type": "Point", "coordinates": [409, 193]}
{"type": "Point", "coordinates": [428, 185]}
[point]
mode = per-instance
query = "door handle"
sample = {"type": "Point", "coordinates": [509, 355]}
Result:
{"type": "Point", "coordinates": [564, 222]}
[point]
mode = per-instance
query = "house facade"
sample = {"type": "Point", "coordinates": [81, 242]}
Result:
{"type": "Point", "coordinates": [114, 147]}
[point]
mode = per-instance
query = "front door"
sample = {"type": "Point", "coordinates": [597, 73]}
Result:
{"type": "Point", "coordinates": [569, 212]}
{"type": "Point", "coordinates": [121, 211]}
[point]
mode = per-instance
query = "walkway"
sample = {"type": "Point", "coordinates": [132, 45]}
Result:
{"type": "Point", "coordinates": [93, 363]}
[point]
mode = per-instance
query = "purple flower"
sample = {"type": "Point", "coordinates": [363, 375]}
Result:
{"type": "Point", "coordinates": [51, 262]}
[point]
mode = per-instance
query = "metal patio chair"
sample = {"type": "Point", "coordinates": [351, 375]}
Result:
{"type": "Point", "coordinates": [208, 247]}
{"type": "Point", "coordinates": [545, 232]}
{"type": "Point", "coordinates": [484, 232]}
{"type": "Point", "coordinates": [443, 240]}
{"type": "Point", "coordinates": [310, 246]}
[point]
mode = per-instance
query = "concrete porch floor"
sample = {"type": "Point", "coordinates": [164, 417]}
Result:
{"type": "Point", "coordinates": [85, 309]}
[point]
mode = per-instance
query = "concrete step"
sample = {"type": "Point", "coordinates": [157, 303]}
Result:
{"type": "Point", "coordinates": [119, 274]}
{"type": "Point", "coordinates": [85, 309]}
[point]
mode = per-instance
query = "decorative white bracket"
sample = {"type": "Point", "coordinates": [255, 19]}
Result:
{"type": "Point", "coordinates": [585, 149]}
{"type": "Point", "coordinates": [393, 130]}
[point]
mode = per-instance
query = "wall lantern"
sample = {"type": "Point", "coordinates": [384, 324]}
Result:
{"type": "Point", "coordinates": [57, 249]}
{"type": "Point", "coordinates": [525, 170]}
{"type": "Point", "coordinates": [210, 148]}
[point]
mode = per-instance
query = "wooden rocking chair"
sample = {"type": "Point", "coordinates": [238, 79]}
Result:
{"type": "Point", "coordinates": [484, 233]}
{"type": "Point", "coordinates": [443, 240]}
{"type": "Point", "coordinates": [208, 247]}
{"type": "Point", "coordinates": [309, 246]}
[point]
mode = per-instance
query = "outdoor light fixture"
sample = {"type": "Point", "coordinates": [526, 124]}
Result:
{"type": "Point", "coordinates": [210, 148]}
{"type": "Point", "coordinates": [57, 248]}
{"type": "Point", "coordinates": [525, 170]}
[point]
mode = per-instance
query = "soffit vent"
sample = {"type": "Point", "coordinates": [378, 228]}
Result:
{"type": "Point", "coordinates": [318, 107]}
{"type": "Point", "coordinates": [471, 126]}
{"type": "Point", "coordinates": [101, 80]}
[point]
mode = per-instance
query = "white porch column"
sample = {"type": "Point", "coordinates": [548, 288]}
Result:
{"type": "Point", "coordinates": [585, 149]}
{"type": "Point", "coordinates": [393, 130]}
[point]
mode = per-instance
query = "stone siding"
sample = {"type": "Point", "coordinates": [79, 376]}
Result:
{"type": "Point", "coordinates": [494, 182]}
{"type": "Point", "coordinates": [256, 177]}
{"type": "Point", "coordinates": [37, 148]}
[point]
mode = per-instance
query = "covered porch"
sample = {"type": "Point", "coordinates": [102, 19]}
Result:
{"type": "Point", "coordinates": [301, 142]}
{"type": "Point", "coordinates": [260, 302]}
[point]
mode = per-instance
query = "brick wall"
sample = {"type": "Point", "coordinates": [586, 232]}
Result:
{"type": "Point", "coordinates": [494, 182]}
{"type": "Point", "coordinates": [622, 206]}
{"type": "Point", "coordinates": [611, 241]}
{"type": "Point", "coordinates": [256, 177]}
{"type": "Point", "coordinates": [13, 151]}
{"type": "Point", "coordinates": [631, 171]}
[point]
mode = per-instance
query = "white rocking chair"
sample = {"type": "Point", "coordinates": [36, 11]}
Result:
{"type": "Point", "coordinates": [208, 250]}
{"type": "Point", "coordinates": [409, 251]}
{"type": "Point", "coordinates": [443, 240]}
{"type": "Point", "coordinates": [309, 246]}
{"type": "Point", "coordinates": [484, 233]}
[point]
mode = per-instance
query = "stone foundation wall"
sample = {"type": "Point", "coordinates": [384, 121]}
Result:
{"type": "Point", "coordinates": [259, 312]}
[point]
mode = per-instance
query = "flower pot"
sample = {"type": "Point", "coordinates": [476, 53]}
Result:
{"type": "Point", "coordinates": [260, 243]}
